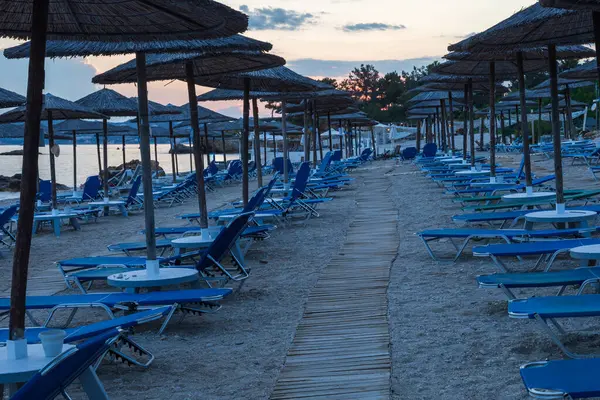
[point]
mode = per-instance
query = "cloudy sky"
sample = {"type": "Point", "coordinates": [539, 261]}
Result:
{"type": "Point", "coordinates": [317, 38]}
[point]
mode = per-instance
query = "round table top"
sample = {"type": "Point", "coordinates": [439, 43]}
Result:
{"type": "Point", "coordinates": [493, 184]}
{"type": "Point", "coordinates": [531, 196]}
{"type": "Point", "coordinates": [450, 159]}
{"type": "Point", "coordinates": [553, 216]}
{"type": "Point", "coordinates": [12, 371]}
{"type": "Point", "coordinates": [471, 172]}
{"type": "Point", "coordinates": [166, 276]}
{"type": "Point", "coordinates": [189, 242]}
{"type": "Point", "coordinates": [107, 203]}
{"type": "Point", "coordinates": [591, 252]}
{"type": "Point", "coordinates": [52, 216]}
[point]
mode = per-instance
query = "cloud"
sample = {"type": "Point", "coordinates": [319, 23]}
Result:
{"type": "Point", "coordinates": [269, 18]}
{"type": "Point", "coordinates": [341, 68]}
{"type": "Point", "coordinates": [372, 26]}
{"type": "Point", "coordinates": [464, 36]}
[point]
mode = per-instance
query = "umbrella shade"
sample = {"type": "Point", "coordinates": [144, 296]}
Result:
{"type": "Point", "coordinates": [529, 95]}
{"type": "Point", "coordinates": [86, 127]}
{"type": "Point", "coordinates": [235, 125]}
{"type": "Point", "coordinates": [529, 54]}
{"type": "Point", "coordinates": [10, 99]}
{"type": "Point", "coordinates": [60, 108]}
{"type": "Point", "coordinates": [434, 104]}
{"type": "Point", "coordinates": [327, 95]}
{"type": "Point", "coordinates": [511, 104]}
{"type": "Point", "coordinates": [172, 66]}
{"type": "Point", "coordinates": [588, 70]}
{"type": "Point", "coordinates": [71, 48]}
{"type": "Point", "coordinates": [227, 94]}
{"type": "Point", "coordinates": [356, 116]}
{"type": "Point", "coordinates": [126, 19]}
{"type": "Point", "coordinates": [204, 115]}
{"type": "Point", "coordinates": [333, 112]}
{"type": "Point", "coordinates": [10, 131]}
{"type": "Point", "coordinates": [279, 79]}
{"type": "Point", "coordinates": [576, 105]}
{"type": "Point", "coordinates": [439, 78]}
{"type": "Point", "coordinates": [504, 69]}
{"type": "Point", "coordinates": [109, 102]}
{"type": "Point", "coordinates": [436, 95]}
{"type": "Point", "coordinates": [593, 5]}
{"type": "Point", "coordinates": [563, 83]}
{"type": "Point", "coordinates": [532, 26]}
{"type": "Point", "coordinates": [460, 86]}
{"type": "Point", "coordinates": [323, 105]}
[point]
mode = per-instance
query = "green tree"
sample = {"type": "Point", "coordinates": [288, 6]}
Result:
{"type": "Point", "coordinates": [362, 83]}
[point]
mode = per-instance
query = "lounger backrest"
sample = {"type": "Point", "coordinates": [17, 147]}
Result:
{"type": "Point", "coordinates": [91, 187]}
{"type": "Point", "coordinates": [53, 379]}
{"type": "Point", "coordinates": [224, 241]}
{"type": "Point", "coordinates": [337, 156]}
{"type": "Point", "coordinates": [255, 200]}
{"type": "Point", "coordinates": [278, 165]}
{"type": "Point", "coordinates": [301, 180]}
{"type": "Point", "coordinates": [325, 162]}
{"type": "Point", "coordinates": [544, 179]}
{"type": "Point", "coordinates": [429, 150]}
{"type": "Point", "coordinates": [45, 191]}
{"type": "Point", "coordinates": [7, 214]}
{"type": "Point", "coordinates": [135, 187]}
{"type": "Point", "coordinates": [409, 153]}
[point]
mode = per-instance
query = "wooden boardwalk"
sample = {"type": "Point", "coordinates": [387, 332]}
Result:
{"type": "Point", "coordinates": [341, 347]}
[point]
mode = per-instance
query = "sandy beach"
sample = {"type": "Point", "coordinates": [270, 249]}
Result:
{"type": "Point", "coordinates": [449, 339]}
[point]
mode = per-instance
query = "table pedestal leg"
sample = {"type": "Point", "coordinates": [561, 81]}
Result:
{"type": "Point", "coordinates": [92, 386]}
{"type": "Point", "coordinates": [56, 225]}
{"type": "Point", "coordinates": [123, 210]}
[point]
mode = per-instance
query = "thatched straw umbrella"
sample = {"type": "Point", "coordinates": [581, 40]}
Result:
{"type": "Point", "coordinates": [84, 127]}
{"type": "Point", "coordinates": [279, 79]}
{"type": "Point", "coordinates": [190, 66]}
{"type": "Point", "coordinates": [538, 26]}
{"type": "Point", "coordinates": [10, 99]}
{"type": "Point", "coordinates": [77, 19]}
{"type": "Point", "coordinates": [53, 108]}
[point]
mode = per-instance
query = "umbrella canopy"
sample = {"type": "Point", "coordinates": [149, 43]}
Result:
{"type": "Point", "coordinates": [183, 114]}
{"type": "Point", "coordinates": [227, 94]}
{"type": "Point", "coordinates": [168, 66]}
{"type": "Point", "coordinates": [322, 105]}
{"type": "Point", "coordinates": [87, 127]}
{"type": "Point", "coordinates": [10, 131]}
{"type": "Point", "coordinates": [433, 104]}
{"type": "Point", "coordinates": [593, 5]}
{"type": "Point", "coordinates": [70, 48]}
{"type": "Point", "coordinates": [233, 125]}
{"type": "Point", "coordinates": [460, 86]}
{"type": "Point", "coordinates": [532, 26]}
{"type": "Point", "coordinates": [511, 104]}
{"type": "Point", "coordinates": [122, 20]}
{"type": "Point", "coordinates": [446, 78]}
{"type": "Point", "coordinates": [279, 79]}
{"type": "Point", "coordinates": [504, 69]}
{"type": "Point", "coordinates": [60, 108]}
{"type": "Point", "coordinates": [109, 102]}
{"type": "Point", "coordinates": [563, 83]}
{"type": "Point", "coordinates": [578, 105]}
{"type": "Point", "coordinates": [588, 70]}
{"type": "Point", "coordinates": [436, 95]}
{"type": "Point", "coordinates": [529, 54]}
{"type": "Point", "coordinates": [10, 99]}
{"type": "Point", "coordinates": [529, 95]}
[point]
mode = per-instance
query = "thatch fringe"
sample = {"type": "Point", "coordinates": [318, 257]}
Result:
{"type": "Point", "coordinates": [61, 109]}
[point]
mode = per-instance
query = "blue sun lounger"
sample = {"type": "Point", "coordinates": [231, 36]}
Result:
{"type": "Point", "coordinates": [546, 250]}
{"type": "Point", "coordinates": [546, 310]}
{"type": "Point", "coordinates": [468, 234]}
{"type": "Point", "coordinates": [76, 363]}
{"type": "Point", "coordinates": [97, 328]}
{"type": "Point", "coordinates": [562, 379]}
{"type": "Point", "coordinates": [562, 279]}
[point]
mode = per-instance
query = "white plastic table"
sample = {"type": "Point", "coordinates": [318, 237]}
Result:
{"type": "Point", "coordinates": [450, 160]}
{"type": "Point", "coordinates": [19, 371]}
{"type": "Point", "coordinates": [497, 185]}
{"type": "Point", "coordinates": [483, 172]}
{"type": "Point", "coordinates": [535, 196]}
{"type": "Point", "coordinates": [586, 254]}
{"type": "Point", "coordinates": [569, 218]}
{"type": "Point", "coordinates": [190, 242]}
{"type": "Point", "coordinates": [118, 204]}
{"type": "Point", "coordinates": [56, 220]}
{"type": "Point", "coordinates": [132, 281]}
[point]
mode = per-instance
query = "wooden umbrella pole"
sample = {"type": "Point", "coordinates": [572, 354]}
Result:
{"type": "Point", "coordinates": [373, 143]}
{"type": "Point", "coordinates": [443, 125]}
{"type": "Point", "coordinates": [329, 130]}
{"type": "Point", "coordinates": [285, 144]}
{"type": "Point", "coordinates": [492, 121]}
{"type": "Point", "coordinates": [142, 88]}
{"type": "Point", "coordinates": [245, 134]}
{"type": "Point", "coordinates": [172, 145]}
{"type": "Point", "coordinates": [481, 128]}
{"type": "Point", "coordinates": [98, 154]}
{"type": "Point", "coordinates": [319, 138]}
{"type": "Point", "coordinates": [198, 156]}
{"type": "Point", "coordinates": [224, 150]}
{"type": "Point", "coordinates": [29, 177]}
{"type": "Point", "coordinates": [314, 133]}
{"type": "Point", "coordinates": [74, 161]}
{"type": "Point", "coordinates": [123, 152]}
{"type": "Point", "coordinates": [502, 126]}
{"type": "Point", "coordinates": [257, 142]}
{"type": "Point", "coordinates": [569, 113]}
{"type": "Point", "coordinates": [105, 157]}
{"type": "Point", "coordinates": [451, 105]}
{"type": "Point", "coordinates": [560, 197]}
{"type": "Point", "coordinates": [524, 127]}
{"type": "Point", "coordinates": [418, 136]}
{"type": "Point", "coordinates": [265, 148]}
{"type": "Point", "coordinates": [472, 122]}
{"type": "Point", "coordinates": [52, 160]}
{"type": "Point", "coordinates": [539, 129]}
{"type": "Point", "coordinates": [306, 133]}
{"type": "Point", "coordinates": [465, 127]}
{"type": "Point", "coordinates": [214, 146]}
{"type": "Point", "coordinates": [156, 155]}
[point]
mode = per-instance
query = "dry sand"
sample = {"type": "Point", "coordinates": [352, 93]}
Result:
{"type": "Point", "coordinates": [450, 339]}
